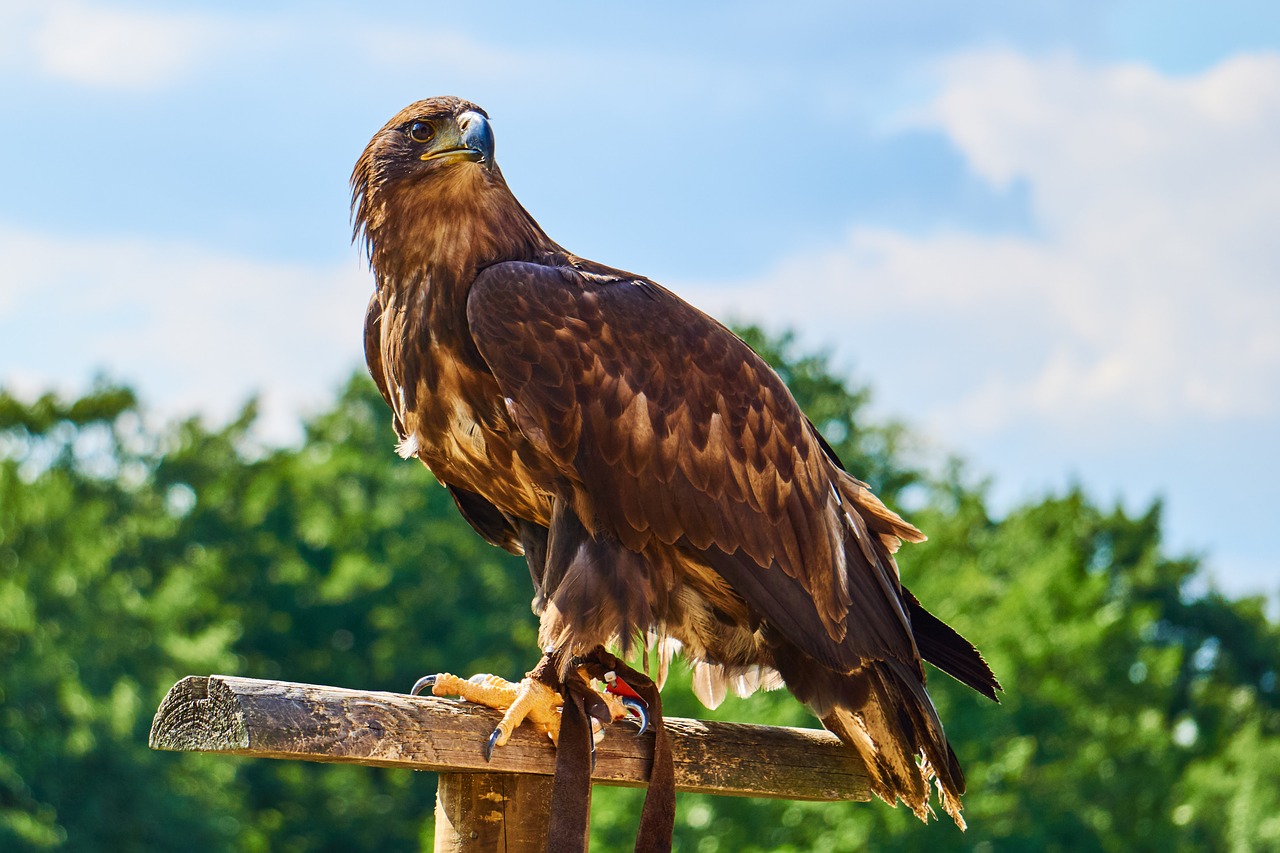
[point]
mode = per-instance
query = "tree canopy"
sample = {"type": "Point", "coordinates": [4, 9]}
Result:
{"type": "Point", "coordinates": [1140, 711]}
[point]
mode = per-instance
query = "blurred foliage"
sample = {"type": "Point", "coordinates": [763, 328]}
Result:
{"type": "Point", "coordinates": [1140, 712]}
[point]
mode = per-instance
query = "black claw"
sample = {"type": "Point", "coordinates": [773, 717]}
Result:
{"type": "Point", "coordinates": [593, 752]}
{"type": "Point", "coordinates": [638, 708]}
{"type": "Point", "coordinates": [488, 747]}
{"type": "Point", "coordinates": [423, 683]}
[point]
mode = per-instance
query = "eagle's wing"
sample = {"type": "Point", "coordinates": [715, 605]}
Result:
{"type": "Point", "coordinates": [484, 517]}
{"type": "Point", "coordinates": [669, 427]}
{"type": "Point", "coordinates": [373, 356]}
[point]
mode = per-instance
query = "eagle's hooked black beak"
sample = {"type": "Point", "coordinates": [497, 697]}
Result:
{"type": "Point", "coordinates": [477, 135]}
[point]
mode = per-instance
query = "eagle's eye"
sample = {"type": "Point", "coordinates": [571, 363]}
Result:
{"type": "Point", "coordinates": [421, 131]}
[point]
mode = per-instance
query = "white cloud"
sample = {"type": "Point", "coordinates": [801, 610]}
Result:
{"type": "Point", "coordinates": [196, 329]}
{"type": "Point", "coordinates": [1149, 292]}
{"type": "Point", "coordinates": [106, 47]}
{"type": "Point", "coordinates": [435, 50]}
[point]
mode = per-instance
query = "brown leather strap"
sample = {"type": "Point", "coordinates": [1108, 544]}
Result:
{"type": "Point", "coordinates": [571, 790]}
{"type": "Point", "coordinates": [658, 817]}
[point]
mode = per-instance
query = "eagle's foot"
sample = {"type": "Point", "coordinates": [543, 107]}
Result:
{"type": "Point", "coordinates": [624, 702]}
{"type": "Point", "coordinates": [530, 699]}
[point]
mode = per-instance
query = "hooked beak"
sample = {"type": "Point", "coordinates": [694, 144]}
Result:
{"type": "Point", "coordinates": [475, 143]}
{"type": "Point", "coordinates": [477, 135]}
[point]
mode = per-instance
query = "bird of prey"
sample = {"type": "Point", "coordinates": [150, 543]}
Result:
{"type": "Point", "coordinates": [658, 476]}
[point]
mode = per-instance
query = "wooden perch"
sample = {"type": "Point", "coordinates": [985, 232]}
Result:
{"type": "Point", "coordinates": [276, 719]}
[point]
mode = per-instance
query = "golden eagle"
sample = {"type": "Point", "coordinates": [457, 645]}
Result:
{"type": "Point", "coordinates": [658, 476]}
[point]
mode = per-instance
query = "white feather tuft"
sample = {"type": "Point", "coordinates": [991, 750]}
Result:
{"type": "Point", "coordinates": [709, 684]}
{"type": "Point", "coordinates": [407, 447]}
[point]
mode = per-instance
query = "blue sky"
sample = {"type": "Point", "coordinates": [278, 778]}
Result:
{"type": "Point", "coordinates": [1044, 233]}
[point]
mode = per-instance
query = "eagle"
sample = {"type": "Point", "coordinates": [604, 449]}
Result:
{"type": "Point", "coordinates": [659, 478]}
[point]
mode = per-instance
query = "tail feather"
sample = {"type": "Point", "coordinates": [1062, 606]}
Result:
{"type": "Point", "coordinates": [897, 734]}
{"type": "Point", "coordinates": [943, 647]}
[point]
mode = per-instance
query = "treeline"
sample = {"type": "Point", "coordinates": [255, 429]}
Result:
{"type": "Point", "coordinates": [1140, 712]}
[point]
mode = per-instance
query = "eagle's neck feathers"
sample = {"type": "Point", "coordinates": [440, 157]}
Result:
{"type": "Point", "coordinates": [440, 232]}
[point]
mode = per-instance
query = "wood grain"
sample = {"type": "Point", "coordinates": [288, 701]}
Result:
{"type": "Point", "coordinates": [494, 812]}
{"type": "Point", "coordinates": [277, 719]}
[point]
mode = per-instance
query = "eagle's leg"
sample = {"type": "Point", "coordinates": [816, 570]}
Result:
{"type": "Point", "coordinates": [532, 698]}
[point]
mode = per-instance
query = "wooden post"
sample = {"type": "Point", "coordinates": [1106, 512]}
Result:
{"type": "Point", "coordinates": [486, 805]}
{"type": "Point", "coordinates": [503, 812]}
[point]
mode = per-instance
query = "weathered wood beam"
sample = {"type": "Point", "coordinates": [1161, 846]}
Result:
{"type": "Point", "coordinates": [277, 719]}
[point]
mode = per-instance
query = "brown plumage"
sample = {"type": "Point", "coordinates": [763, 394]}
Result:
{"type": "Point", "coordinates": [656, 473]}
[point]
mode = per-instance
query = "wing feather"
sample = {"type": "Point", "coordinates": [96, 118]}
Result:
{"type": "Point", "coordinates": [373, 359]}
{"type": "Point", "coordinates": [670, 428]}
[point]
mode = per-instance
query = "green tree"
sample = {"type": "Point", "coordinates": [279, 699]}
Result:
{"type": "Point", "coordinates": [1140, 712]}
{"type": "Point", "coordinates": [86, 640]}
{"type": "Point", "coordinates": [131, 558]}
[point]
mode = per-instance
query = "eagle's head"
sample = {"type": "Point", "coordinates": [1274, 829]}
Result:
{"type": "Point", "coordinates": [439, 150]}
